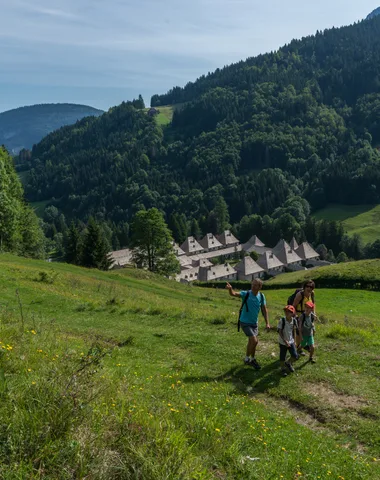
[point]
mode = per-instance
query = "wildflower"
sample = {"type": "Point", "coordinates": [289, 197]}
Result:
{"type": "Point", "coordinates": [374, 459]}
{"type": "Point", "coordinates": [9, 348]}
{"type": "Point", "coordinates": [118, 365]}
{"type": "Point", "coordinates": [33, 383]}
{"type": "Point", "coordinates": [33, 332]}
{"type": "Point", "coordinates": [217, 429]}
{"type": "Point", "coordinates": [169, 404]}
{"type": "Point", "coordinates": [29, 369]}
{"type": "Point", "coordinates": [283, 449]}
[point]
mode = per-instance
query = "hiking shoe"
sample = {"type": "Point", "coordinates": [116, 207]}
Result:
{"type": "Point", "coordinates": [255, 364]}
{"type": "Point", "coordinates": [311, 360]}
{"type": "Point", "coordinates": [284, 373]}
{"type": "Point", "coordinates": [290, 366]}
{"type": "Point", "coordinates": [301, 353]}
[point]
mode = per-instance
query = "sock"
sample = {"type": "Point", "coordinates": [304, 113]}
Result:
{"type": "Point", "coordinates": [247, 358]}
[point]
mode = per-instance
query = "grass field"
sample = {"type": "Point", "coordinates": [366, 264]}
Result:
{"type": "Point", "coordinates": [165, 114]}
{"type": "Point", "coordinates": [123, 375]}
{"type": "Point", "coordinates": [361, 271]}
{"type": "Point", "coordinates": [361, 219]}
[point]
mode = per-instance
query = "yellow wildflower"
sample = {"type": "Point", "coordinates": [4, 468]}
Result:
{"type": "Point", "coordinates": [217, 429]}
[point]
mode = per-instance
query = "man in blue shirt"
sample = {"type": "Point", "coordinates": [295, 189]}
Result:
{"type": "Point", "coordinates": [252, 305]}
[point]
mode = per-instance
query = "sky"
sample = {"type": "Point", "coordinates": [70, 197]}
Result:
{"type": "Point", "coordinates": [101, 52]}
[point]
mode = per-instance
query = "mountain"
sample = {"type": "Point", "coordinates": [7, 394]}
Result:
{"type": "Point", "coordinates": [23, 127]}
{"type": "Point", "coordinates": [264, 139]}
{"type": "Point", "coordinates": [373, 14]}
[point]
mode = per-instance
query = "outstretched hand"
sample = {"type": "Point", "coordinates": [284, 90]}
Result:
{"type": "Point", "coordinates": [228, 286]}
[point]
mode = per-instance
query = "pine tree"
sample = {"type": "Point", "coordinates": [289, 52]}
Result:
{"type": "Point", "coordinates": [95, 253]}
{"type": "Point", "coordinates": [72, 250]}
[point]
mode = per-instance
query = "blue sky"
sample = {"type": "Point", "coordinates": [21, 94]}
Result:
{"type": "Point", "coordinates": [100, 52]}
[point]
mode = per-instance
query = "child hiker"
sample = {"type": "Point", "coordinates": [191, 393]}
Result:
{"type": "Point", "coordinates": [286, 334]}
{"type": "Point", "coordinates": [307, 329]}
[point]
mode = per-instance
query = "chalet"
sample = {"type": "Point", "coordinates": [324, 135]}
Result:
{"type": "Point", "coordinates": [218, 272]}
{"type": "Point", "coordinates": [224, 252]}
{"type": "Point", "coordinates": [209, 242]}
{"type": "Point", "coordinates": [306, 252]}
{"type": "Point", "coordinates": [188, 275]}
{"type": "Point", "coordinates": [270, 263]}
{"type": "Point", "coordinates": [201, 262]}
{"type": "Point", "coordinates": [287, 255]}
{"type": "Point", "coordinates": [121, 258]}
{"type": "Point", "coordinates": [254, 244]}
{"type": "Point", "coordinates": [177, 250]}
{"type": "Point", "coordinates": [248, 269]}
{"type": "Point", "coordinates": [228, 239]}
{"type": "Point", "coordinates": [185, 262]}
{"type": "Point", "coordinates": [190, 246]}
{"type": "Point", "coordinates": [153, 111]}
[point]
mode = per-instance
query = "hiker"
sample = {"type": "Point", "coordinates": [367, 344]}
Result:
{"type": "Point", "coordinates": [286, 334]}
{"type": "Point", "coordinates": [252, 302]}
{"type": "Point", "coordinates": [299, 299]}
{"type": "Point", "coordinates": [307, 329]}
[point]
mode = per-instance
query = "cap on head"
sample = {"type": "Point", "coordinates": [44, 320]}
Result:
{"type": "Point", "coordinates": [290, 308]}
{"type": "Point", "coordinates": [310, 305]}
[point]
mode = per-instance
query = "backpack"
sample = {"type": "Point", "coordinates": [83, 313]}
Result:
{"type": "Point", "coordinates": [293, 296]}
{"type": "Point", "coordinates": [302, 319]}
{"type": "Point", "coordinates": [283, 319]}
{"type": "Point", "coordinates": [246, 306]}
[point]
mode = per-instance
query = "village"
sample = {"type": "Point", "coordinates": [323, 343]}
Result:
{"type": "Point", "coordinates": [223, 257]}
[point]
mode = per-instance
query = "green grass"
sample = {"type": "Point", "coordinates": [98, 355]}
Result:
{"type": "Point", "coordinates": [165, 114]}
{"type": "Point", "coordinates": [361, 219]}
{"type": "Point", "coordinates": [164, 395]}
{"type": "Point", "coordinates": [360, 271]}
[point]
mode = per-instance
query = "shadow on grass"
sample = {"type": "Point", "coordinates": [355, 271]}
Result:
{"type": "Point", "coordinates": [245, 379]}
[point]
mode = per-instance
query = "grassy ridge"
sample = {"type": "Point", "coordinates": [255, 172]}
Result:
{"type": "Point", "coordinates": [361, 219]}
{"type": "Point", "coordinates": [361, 272]}
{"type": "Point", "coordinates": [170, 397]}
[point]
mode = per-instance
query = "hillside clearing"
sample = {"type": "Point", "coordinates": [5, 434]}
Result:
{"type": "Point", "coordinates": [173, 399]}
{"type": "Point", "coordinates": [361, 219]}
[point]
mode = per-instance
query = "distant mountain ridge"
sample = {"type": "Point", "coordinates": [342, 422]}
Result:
{"type": "Point", "coordinates": [373, 14]}
{"type": "Point", "coordinates": [25, 126]}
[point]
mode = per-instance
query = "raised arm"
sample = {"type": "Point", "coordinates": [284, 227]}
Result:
{"type": "Point", "coordinates": [231, 292]}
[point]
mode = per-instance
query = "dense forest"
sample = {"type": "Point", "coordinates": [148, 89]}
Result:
{"type": "Point", "coordinates": [20, 230]}
{"type": "Point", "coordinates": [268, 138]}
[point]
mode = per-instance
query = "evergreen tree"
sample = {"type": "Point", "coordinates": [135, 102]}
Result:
{"type": "Point", "coordinates": [195, 230]}
{"type": "Point", "coordinates": [95, 252]}
{"type": "Point", "coordinates": [152, 243]}
{"type": "Point", "coordinates": [73, 247]}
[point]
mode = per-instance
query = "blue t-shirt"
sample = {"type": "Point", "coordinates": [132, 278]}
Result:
{"type": "Point", "coordinates": [254, 307]}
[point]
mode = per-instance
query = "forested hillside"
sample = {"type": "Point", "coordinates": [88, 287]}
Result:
{"type": "Point", "coordinates": [20, 231]}
{"type": "Point", "coordinates": [23, 127]}
{"type": "Point", "coordinates": [248, 141]}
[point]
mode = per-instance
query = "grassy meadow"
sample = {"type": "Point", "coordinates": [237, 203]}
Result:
{"type": "Point", "coordinates": [360, 271]}
{"type": "Point", "coordinates": [361, 219]}
{"type": "Point", "coordinates": [124, 375]}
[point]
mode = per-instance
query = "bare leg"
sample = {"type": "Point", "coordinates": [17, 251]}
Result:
{"type": "Point", "coordinates": [251, 347]}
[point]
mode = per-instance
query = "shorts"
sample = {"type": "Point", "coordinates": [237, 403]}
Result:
{"type": "Point", "coordinates": [249, 329]}
{"type": "Point", "coordinates": [307, 341]}
{"type": "Point", "coordinates": [292, 350]}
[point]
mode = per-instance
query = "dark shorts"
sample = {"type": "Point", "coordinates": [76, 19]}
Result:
{"type": "Point", "coordinates": [292, 350]}
{"type": "Point", "coordinates": [249, 329]}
